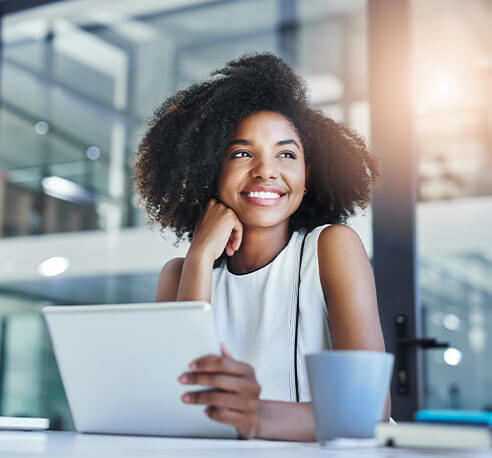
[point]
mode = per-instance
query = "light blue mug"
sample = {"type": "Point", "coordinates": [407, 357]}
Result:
{"type": "Point", "coordinates": [348, 391]}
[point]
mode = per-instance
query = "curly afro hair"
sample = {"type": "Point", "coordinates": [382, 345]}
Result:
{"type": "Point", "coordinates": [178, 161]}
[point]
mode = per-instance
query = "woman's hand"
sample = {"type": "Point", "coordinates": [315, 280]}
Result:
{"type": "Point", "coordinates": [218, 228]}
{"type": "Point", "coordinates": [236, 399]}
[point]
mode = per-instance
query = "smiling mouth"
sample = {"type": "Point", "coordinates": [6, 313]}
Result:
{"type": "Point", "coordinates": [262, 199]}
{"type": "Point", "coordinates": [263, 194]}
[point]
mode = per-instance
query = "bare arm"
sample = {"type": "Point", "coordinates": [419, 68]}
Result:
{"type": "Point", "coordinates": [350, 291]}
{"type": "Point", "coordinates": [190, 279]}
{"type": "Point", "coordinates": [186, 279]}
{"type": "Point", "coordinates": [348, 284]}
{"type": "Point", "coordinates": [289, 421]}
{"type": "Point", "coordinates": [196, 278]}
{"type": "Point", "coordinates": [169, 278]}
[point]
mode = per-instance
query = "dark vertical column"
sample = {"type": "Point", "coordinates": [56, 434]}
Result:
{"type": "Point", "coordinates": [2, 6]}
{"type": "Point", "coordinates": [2, 13]}
{"type": "Point", "coordinates": [3, 320]}
{"type": "Point", "coordinates": [287, 30]}
{"type": "Point", "coordinates": [3, 358]}
{"type": "Point", "coordinates": [395, 258]}
{"type": "Point", "coordinates": [3, 177]}
{"type": "Point", "coordinates": [131, 211]}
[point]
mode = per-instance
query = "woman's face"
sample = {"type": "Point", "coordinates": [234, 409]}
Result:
{"type": "Point", "coordinates": [263, 172]}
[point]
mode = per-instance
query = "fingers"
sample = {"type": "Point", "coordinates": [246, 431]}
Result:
{"type": "Point", "coordinates": [224, 350]}
{"type": "Point", "coordinates": [237, 235]}
{"type": "Point", "coordinates": [230, 417]}
{"type": "Point", "coordinates": [230, 383]}
{"type": "Point", "coordinates": [235, 397]}
{"type": "Point", "coordinates": [229, 250]}
{"type": "Point", "coordinates": [216, 211]}
{"type": "Point", "coordinates": [220, 399]}
{"type": "Point", "coordinates": [229, 408]}
{"type": "Point", "coordinates": [245, 424]}
{"type": "Point", "coordinates": [223, 364]}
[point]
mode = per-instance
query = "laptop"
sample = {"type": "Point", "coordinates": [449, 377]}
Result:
{"type": "Point", "coordinates": [119, 365]}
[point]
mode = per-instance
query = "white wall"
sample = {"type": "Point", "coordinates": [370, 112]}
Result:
{"type": "Point", "coordinates": [134, 250]}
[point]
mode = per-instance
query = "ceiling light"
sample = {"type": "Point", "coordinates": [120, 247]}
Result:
{"type": "Point", "coordinates": [62, 188]}
{"type": "Point", "coordinates": [53, 266]}
{"type": "Point", "coordinates": [41, 127]}
{"type": "Point", "coordinates": [93, 153]}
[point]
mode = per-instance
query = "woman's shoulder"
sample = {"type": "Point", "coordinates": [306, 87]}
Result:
{"type": "Point", "coordinates": [169, 278]}
{"type": "Point", "coordinates": [333, 244]}
{"type": "Point", "coordinates": [172, 266]}
{"type": "Point", "coordinates": [338, 233]}
{"type": "Point", "coordinates": [325, 236]}
{"type": "Point", "coordinates": [338, 245]}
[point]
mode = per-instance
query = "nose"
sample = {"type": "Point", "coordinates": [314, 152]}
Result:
{"type": "Point", "coordinates": [265, 169]}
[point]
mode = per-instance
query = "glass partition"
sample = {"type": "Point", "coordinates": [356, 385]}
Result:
{"type": "Point", "coordinates": [77, 89]}
{"type": "Point", "coordinates": [454, 140]}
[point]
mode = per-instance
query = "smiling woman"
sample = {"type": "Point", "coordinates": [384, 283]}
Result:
{"type": "Point", "coordinates": [262, 178]}
{"type": "Point", "coordinates": [180, 157]}
{"type": "Point", "coordinates": [260, 183]}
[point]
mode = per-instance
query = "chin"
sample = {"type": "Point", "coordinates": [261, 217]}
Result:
{"type": "Point", "coordinates": [251, 221]}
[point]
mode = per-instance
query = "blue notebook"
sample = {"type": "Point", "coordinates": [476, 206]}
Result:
{"type": "Point", "coordinates": [472, 417]}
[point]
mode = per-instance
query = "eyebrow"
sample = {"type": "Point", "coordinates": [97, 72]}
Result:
{"type": "Point", "coordinates": [240, 141]}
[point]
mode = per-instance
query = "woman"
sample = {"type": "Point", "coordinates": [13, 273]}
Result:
{"type": "Point", "coordinates": [261, 184]}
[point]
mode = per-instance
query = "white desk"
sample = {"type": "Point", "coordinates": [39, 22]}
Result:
{"type": "Point", "coordinates": [55, 444]}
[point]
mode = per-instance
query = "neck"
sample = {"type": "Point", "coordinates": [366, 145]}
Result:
{"type": "Point", "coordinates": [258, 247]}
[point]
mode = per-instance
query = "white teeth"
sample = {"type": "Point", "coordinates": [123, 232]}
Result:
{"type": "Point", "coordinates": [264, 195]}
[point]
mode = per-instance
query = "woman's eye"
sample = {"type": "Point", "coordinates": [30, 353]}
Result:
{"type": "Point", "coordinates": [292, 155]}
{"type": "Point", "coordinates": [240, 154]}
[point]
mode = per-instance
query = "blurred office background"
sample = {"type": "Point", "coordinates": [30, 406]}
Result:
{"type": "Point", "coordinates": [79, 79]}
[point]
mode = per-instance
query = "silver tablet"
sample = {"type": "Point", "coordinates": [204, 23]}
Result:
{"type": "Point", "coordinates": [120, 363]}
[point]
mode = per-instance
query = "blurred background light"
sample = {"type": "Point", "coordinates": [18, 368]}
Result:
{"type": "Point", "coordinates": [54, 266]}
{"type": "Point", "coordinates": [41, 127]}
{"type": "Point", "coordinates": [444, 87]}
{"type": "Point", "coordinates": [62, 188]}
{"type": "Point", "coordinates": [93, 153]}
{"type": "Point", "coordinates": [452, 356]}
{"type": "Point", "coordinates": [451, 322]}
{"type": "Point", "coordinates": [477, 339]}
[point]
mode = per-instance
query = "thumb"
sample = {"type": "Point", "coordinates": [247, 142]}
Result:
{"type": "Point", "coordinates": [224, 350]}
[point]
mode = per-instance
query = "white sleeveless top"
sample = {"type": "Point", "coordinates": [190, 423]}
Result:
{"type": "Point", "coordinates": [255, 316]}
